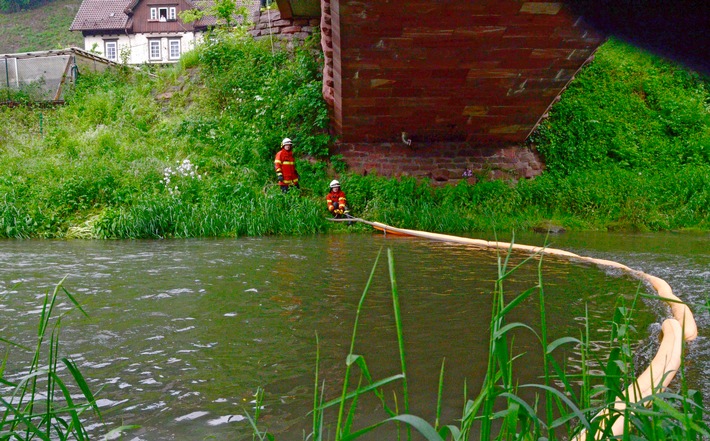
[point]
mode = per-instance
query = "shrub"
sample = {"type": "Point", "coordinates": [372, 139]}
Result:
{"type": "Point", "coordinates": [630, 109]}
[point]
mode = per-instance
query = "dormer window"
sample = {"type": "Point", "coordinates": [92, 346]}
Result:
{"type": "Point", "coordinates": [168, 13]}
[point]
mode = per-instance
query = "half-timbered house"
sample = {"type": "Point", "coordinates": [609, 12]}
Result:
{"type": "Point", "coordinates": [139, 31]}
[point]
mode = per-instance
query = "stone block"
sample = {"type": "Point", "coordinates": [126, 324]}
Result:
{"type": "Point", "coordinates": [551, 53]}
{"type": "Point", "coordinates": [546, 8]}
{"type": "Point", "coordinates": [380, 82]}
{"type": "Point", "coordinates": [513, 128]}
{"type": "Point", "coordinates": [532, 31]}
{"type": "Point", "coordinates": [440, 175]}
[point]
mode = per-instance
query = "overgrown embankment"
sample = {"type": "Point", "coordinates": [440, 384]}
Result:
{"type": "Point", "coordinates": [188, 152]}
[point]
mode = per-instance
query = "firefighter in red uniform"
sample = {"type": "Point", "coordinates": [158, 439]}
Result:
{"type": "Point", "coordinates": [336, 200]}
{"type": "Point", "coordinates": [285, 166]}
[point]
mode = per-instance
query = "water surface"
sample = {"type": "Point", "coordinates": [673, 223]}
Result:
{"type": "Point", "coordinates": [181, 333]}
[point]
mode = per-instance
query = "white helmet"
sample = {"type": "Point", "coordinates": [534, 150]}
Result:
{"type": "Point", "coordinates": [334, 183]}
{"type": "Point", "coordinates": [286, 141]}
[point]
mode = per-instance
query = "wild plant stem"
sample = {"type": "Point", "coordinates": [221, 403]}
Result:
{"type": "Point", "coordinates": [348, 364]}
{"type": "Point", "coordinates": [543, 338]}
{"type": "Point", "coordinates": [400, 334]}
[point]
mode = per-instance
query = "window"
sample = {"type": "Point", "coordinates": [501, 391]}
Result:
{"type": "Point", "coordinates": [111, 50]}
{"type": "Point", "coordinates": [163, 13]}
{"type": "Point", "coordinates": [174, 49]}
{"type": "Point", "coordinates": [154, 46]}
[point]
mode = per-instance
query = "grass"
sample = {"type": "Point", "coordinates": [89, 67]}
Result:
{"type": "Point", "coordinates": [568, 401]}
{"type": "Point", "coordinates": [42, 28]}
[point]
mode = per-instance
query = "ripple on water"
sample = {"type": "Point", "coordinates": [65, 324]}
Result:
{"type": "Point", "coordinates": [185, 329]}
{"type": "Point", "coordinates": [192, 416]}
{"type": "Point", "coordinates": [105, 402]}
{"type": "Point", "coordinates": [96, 365]}
{"type": "Point", "coordinates": [226, 419]}
{"type": "Point", "coordinates": [159, 351]}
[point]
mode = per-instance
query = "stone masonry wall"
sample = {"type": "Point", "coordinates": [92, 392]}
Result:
{"type": "Point", "coordinates": [443, 163]}
{"type": "Point", "coordinates": [269, 23]}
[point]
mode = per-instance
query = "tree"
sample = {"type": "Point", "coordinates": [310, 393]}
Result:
{"type": "Point", "coordinates": [14, 5]}
{"type": "Point", "coordinates": [224, 10]}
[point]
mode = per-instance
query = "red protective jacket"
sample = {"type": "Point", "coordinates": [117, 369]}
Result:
{"type": "Point", "coordinates": [285, 166]}
{"type": "Point", "coordinates": [336, 196]}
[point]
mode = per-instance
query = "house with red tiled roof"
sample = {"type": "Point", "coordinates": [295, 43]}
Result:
{"type": "Point", "coordinates": [142, 31]}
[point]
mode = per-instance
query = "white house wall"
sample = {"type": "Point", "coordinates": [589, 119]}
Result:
{"type": "Point", "coordinates": [137, 45]}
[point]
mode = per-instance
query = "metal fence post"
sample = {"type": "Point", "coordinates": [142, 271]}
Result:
{"type": "Point", "coordinates": [7, 79]}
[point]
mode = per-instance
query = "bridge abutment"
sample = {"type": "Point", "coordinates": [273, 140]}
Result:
{"type": "Point", "coordinates": [443, 163]}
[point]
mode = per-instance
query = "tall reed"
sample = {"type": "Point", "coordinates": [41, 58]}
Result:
{"type": "Point", "coordinates": [41, 404]}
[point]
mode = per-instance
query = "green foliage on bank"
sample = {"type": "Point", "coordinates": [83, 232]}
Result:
{"type": "Point", "coordinates": [627, 147]}
{"type": "Point", "coordinates": [97, 167]}
{"type": "Point", "coordinates": [630, 111]}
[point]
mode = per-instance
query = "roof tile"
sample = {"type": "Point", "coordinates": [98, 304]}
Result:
{"type": "Point", "coordinates": [100, 15]}
{"type": "Point", "coordinates": [97, 15]}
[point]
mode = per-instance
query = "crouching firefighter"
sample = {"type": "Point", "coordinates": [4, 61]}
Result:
{"type": "Point", "coordinates": [337, 204]}
{"type": "Point", "coordinates": [285, 166]}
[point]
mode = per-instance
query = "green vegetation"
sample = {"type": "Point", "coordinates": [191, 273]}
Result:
{"type": "Point", "coordinates": [39, 27]}
{"type": "Point", "coordinates": [97, 167]}
{"type": "Point", "coordinates": [567, 401]}
{"type": "Point", "coordinates": [41, 405]}
{"type": "Point", "coordinates": [17, 5]}
{"type": "Point", "coordinates": [627, 147]}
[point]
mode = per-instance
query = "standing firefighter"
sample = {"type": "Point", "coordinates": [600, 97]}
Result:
{"type": "Point", "coordinates": [285, 166]}
{"type": "Point", "coordinates": [336, 200]}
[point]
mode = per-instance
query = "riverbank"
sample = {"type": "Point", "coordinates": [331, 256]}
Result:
{"type": "Point", "coordinates": [187, 151]}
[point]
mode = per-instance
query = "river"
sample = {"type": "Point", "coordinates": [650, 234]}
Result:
{"type": "Point", "coordinates": [181, 333]}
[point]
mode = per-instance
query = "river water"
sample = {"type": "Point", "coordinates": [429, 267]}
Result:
{"type": "Point", "coordinates": [181, 333]}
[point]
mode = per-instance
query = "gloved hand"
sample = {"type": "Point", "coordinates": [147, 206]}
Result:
{"type": "Point", "coordinates": [281, 178]}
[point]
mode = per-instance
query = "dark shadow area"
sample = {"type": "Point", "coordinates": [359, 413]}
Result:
{"type": "Point", "coordinates": [674, 29]}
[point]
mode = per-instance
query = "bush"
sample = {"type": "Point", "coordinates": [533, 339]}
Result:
{"type": "Point", "coordinates": [628, 109]}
